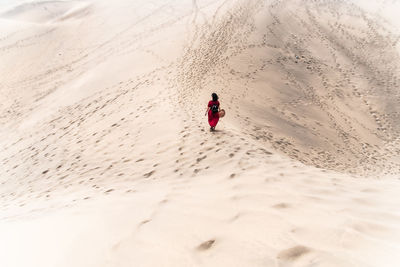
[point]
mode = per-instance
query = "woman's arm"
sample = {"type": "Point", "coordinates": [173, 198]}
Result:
{"type": "Point", "coordinates": [208, 108]}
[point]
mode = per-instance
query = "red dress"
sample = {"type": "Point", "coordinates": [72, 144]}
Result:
{"type": "Point", "coordinates": [213, 118]}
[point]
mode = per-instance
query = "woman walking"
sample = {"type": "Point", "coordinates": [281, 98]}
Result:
{"type": "Point", "coordinates": [213, 111]}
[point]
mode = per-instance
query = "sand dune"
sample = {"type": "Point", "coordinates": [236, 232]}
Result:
{"type": "Point", "coordinates": [40, 12]}
{"type": "Point", "coordinates": [303, 76]}
{"type": "Point", "coordinates": [107, 158]}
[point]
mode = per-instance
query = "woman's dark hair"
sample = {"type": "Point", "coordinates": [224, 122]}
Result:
{"type": "Point", "coordinates": [214, 96]}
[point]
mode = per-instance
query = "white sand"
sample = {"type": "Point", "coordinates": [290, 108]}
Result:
{"type": "Point", "coordinates": [106, 155]}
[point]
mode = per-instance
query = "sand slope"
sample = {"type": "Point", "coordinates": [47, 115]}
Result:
{"type": "Point", "coordinates": [106, 155]}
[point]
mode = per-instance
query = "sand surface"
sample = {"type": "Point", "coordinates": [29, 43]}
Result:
{"type": "Point", "coordinates": [107, 159]}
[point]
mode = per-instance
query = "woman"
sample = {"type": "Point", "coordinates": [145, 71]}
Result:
{"type": "Point", "coordinates": [213, 111]}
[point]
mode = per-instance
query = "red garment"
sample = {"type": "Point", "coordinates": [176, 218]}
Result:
{"type": "Point", "coordinates": [213, 118]}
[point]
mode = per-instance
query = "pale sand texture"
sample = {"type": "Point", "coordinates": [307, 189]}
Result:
{"type": "Point", "coordinates": [107, 160]}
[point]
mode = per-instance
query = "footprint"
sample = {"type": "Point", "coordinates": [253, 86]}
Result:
{"type": "Point", "coordinates": [147, 175]}
{"type": "Point", "coordinates": [293, 253]}
{"type": "Point", "coordinates": [206, 245]}
{"type": "Point", "coordinates": [163, 202]}
{"type": "Point", "coordinates": [200, 159]}
{"type": "Point", "coordinates": [281, 206]}
{"type": "Point", "coordinates": [144, 222]}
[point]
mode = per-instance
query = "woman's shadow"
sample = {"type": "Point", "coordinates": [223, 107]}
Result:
{"type": "Point", "coordinates": [216, 131]}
